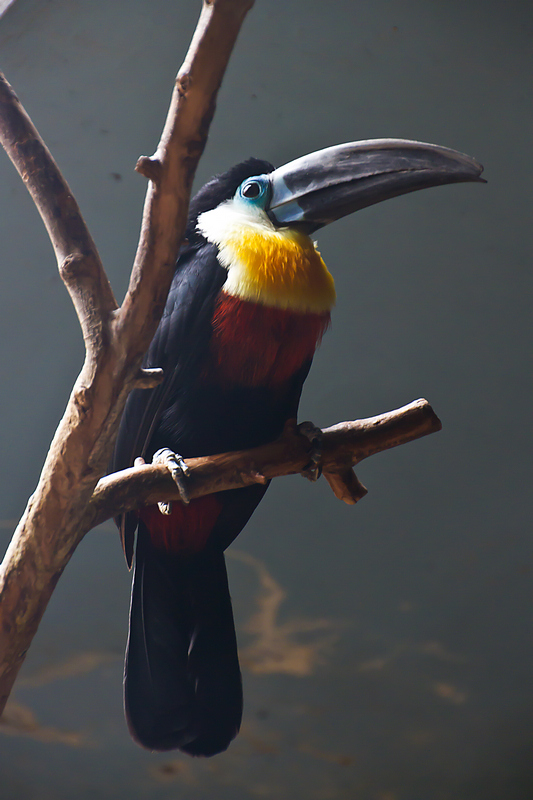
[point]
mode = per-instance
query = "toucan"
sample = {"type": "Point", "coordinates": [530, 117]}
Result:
{"type": "Point", "coordinates": [249, 303]}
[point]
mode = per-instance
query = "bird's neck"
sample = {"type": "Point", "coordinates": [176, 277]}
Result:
{"type": "Point", "coordinates": [279, 268]}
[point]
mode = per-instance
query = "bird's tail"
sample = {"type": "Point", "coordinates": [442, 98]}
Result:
{"type": "Point", "coordinates": [182, 681]}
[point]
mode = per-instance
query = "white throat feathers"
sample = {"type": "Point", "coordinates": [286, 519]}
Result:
{"type": "Point", "coordinates": [278, 267]}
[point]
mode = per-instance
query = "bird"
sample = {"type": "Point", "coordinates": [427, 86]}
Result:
{"type": "Point", "coordinates": [249, 302]}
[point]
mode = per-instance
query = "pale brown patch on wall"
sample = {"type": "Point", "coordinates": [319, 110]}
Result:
{"type": "Point", "coordinates": [295, 647]}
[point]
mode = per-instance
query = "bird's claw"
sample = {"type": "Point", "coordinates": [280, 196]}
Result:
{"type": "Point", "coordinates": [313, 469]}
{"type": "Point", "coordinates": [179, 471]}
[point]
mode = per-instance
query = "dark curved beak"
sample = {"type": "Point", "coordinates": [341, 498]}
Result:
{"type": "Point", "coordinates": [317, 189]}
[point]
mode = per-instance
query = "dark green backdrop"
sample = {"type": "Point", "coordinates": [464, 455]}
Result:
{"type": "Point", "coordinates": [386, 648]}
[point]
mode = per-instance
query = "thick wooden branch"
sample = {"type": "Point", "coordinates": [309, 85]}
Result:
{"type": "Point", "coordinates": [343, 446]}
{"type": "Point", "coordinates": [172, 168]}
{"type": "Point", "coordinates": [53, 522]}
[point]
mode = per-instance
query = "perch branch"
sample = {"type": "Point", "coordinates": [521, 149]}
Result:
{"type": "Point", "coordinates": [343, 446]}
{"type": "Point", "coordinates": [52, 524]}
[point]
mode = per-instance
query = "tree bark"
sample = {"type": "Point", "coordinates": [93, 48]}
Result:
{"type": "Point", "coordinates": [343, 446]}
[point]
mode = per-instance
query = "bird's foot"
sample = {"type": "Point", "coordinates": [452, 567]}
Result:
{"type": "Point", "coordinates": [179, 471]}
{"type": "Point", "coordinates": [313, 469]}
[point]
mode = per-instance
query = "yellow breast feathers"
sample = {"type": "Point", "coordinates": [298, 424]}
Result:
{"type": "Point", "coordinates": [274, 267]}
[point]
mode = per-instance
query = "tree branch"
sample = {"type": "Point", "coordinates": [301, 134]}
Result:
{"type": "Point", "coordinates": [343, 446]}
{"type": "Point", "coordinates": [171, 169]}
{"type": "Point", "coordinates": [53, 522]}
{"type": "Point", "coordinates": [78, 260]}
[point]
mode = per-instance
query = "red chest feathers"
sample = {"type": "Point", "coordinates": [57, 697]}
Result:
{"type": "Point", "coordinates": [256, 345]}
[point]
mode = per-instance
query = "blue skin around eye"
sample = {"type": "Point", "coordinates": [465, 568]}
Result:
{"type": "Point", "coordinates": [283, 214]}
{"type": "Point", "coordinates": [262, 198]}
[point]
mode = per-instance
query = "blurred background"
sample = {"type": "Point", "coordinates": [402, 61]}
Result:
{"type": "Point", "coordinates": [386, 648]}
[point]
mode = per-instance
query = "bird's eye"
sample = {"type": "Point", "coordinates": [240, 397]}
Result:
{"type": "Point", "coordinates": [251, 190]}
{"type": "Point", "coordinates": [254, 192]}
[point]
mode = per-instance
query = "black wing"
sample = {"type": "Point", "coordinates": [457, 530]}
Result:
{"type": "Point", "coordinates": [180, 344]}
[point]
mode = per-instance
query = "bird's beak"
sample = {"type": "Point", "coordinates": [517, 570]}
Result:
{"type": "Point", "coordinates": [321, 187]}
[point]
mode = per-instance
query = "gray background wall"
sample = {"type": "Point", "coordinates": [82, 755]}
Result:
{"type": "Point", "coordinates": [386, 648]}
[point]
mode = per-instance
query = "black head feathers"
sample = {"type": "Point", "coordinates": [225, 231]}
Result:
{"type": "Point", "coordinates": [222, 187]}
